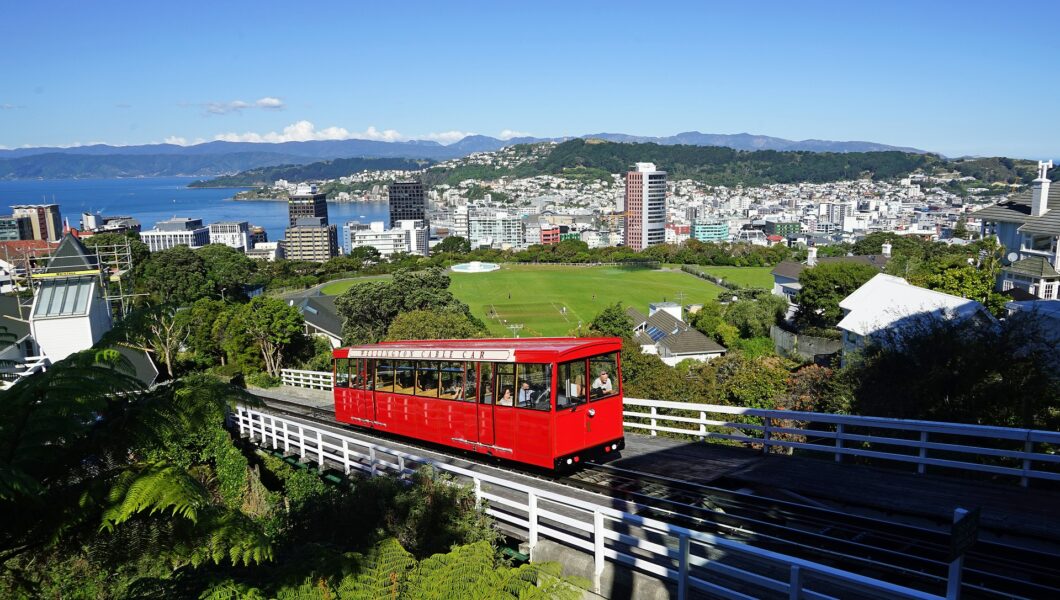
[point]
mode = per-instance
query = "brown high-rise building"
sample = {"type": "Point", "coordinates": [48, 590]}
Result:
{"type": "Point", "coordinates": [307, 203]}
{"type": "Point", "coordinates": [311, 238]}
{"type": "Point", "coordinates": [44, 219]}
{"type": "Point", "coordinates": [645, 206]}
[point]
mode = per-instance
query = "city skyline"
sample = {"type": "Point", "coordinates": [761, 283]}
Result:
{"type": "Point", "coordinates": [956, 78]}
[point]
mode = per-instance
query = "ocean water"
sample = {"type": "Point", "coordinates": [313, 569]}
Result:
{"type": "Point", "coordinates": [159, 198]}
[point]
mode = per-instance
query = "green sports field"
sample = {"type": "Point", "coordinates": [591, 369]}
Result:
{"type": "Point", "coordinates": [752, 277]}
{"type": "Point", "coordinates": [551, 301]}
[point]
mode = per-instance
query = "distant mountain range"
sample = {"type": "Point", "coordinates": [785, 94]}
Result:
{"type": "Point", "coordinates": [218, 158]}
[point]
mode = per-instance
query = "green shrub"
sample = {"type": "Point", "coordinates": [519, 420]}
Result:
{"type": "Point", "coordinates": [263, 380]}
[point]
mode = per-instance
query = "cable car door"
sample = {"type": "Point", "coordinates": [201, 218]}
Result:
{"type": "Point", "coordinates": [485, 405]}
{"type": "Point", "coordinates": [572, 410]}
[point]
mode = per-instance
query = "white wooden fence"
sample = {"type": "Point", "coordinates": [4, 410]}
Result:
{"type": "Point", "coordinates": [691, 560]}
{"type": "Point", "coordinates": [1023, 453]}
{"type": "Point", "coordinates": [317, 380]}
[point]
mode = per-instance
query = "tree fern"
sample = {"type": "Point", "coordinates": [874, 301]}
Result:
{"type": "Point", "coordinates": [157, 488]}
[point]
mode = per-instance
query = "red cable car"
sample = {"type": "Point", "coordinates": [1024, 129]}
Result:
{"type": "Point", "coordinates": [548, 402]}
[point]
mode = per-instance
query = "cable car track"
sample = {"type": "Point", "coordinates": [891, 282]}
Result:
{"type": "Point", "coordinates": [889, 550]}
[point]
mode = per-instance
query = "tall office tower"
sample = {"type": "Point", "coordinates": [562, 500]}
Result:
{"type": "Point", "coordinates": [307, 203]}
{"type": "Point", "coordinates": [311, 239]}
{"type": "Point", "coordinates": [407, 202]}
{"type": "Point", "coordinates": [43, 218]}
{"type": "Point", "coordinates": [645, 206]}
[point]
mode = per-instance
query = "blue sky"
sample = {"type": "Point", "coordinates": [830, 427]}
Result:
{"type": "Point", "coordinates": [953, 77]}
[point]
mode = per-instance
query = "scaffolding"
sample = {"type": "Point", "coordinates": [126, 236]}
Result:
{"type": "Point", "coordinates": [114, 272]}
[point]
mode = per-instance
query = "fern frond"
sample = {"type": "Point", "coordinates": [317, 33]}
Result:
{"type": "Point", "coordinates": [158, 488]}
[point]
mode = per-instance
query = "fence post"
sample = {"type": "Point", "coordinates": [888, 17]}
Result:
{"type": "Point", "coordinates": [682, 579]}
{"type": "Point", "coordinates": [654, 413]}
{"type": "Point", "coordinates": [275, 442]}
{"type": "Point", "coordinates": [598, 549]}
{"type": "Point", "coordinates": [531, 515]}
{"type": "Point", "coordinates": [702, 424]}
{"type": "Point", "coordinates": [301, 442]}
{"type": "Point", "coordinates": [953, 577]}
{"type": "Point", "coordinates": [240, 412]}
{"type": "Point", "coordinates": [839, 442]}
{"type": "Point", "coordinates": [766, 434]}
{"type": "Point", "coordinates": [346, 455]}
{"type": "Point", "coordinates": [372, 459]}
{"type": "Point", "coordinates": [795, 583]}
{"type": "Point", "coordinates": [320, 452]}
{"type": "Point", "coordinates": [401, 466]}
{"type": "Point", "coordinates": [921, 468]}
{"type": "Point", "coordinates": [1028, 447]}
{"type": "Point", "coordinates": [478, 490]}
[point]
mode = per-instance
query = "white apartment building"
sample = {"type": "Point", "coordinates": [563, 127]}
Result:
{"type": "Point", "coordinates": [178, 231]}
{"type": "Point", "coordinates": [419, 234]}
{"type": "Point", "coordinates": [387, 241]}
{"type": "Point", "coordinates": [231, 233]}
{"type": "Point", "coordinates": [495, 229]}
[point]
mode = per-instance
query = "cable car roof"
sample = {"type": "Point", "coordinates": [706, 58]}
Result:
{"type": "Point", "coordinates": [489, 350]}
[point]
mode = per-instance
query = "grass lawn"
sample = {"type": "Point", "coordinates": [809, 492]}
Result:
{"type": "Point", "coordinates": [755, 277]}
{"type": "Point", "coordinates": [334, 288]}
{"type": "Point", "coordinates": [550, 301]}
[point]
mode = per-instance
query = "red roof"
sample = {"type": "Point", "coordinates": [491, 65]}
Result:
{"type": "Point", "coordinates": [497, 349]}
{"type": "Point", "coordinates": [18, 249]}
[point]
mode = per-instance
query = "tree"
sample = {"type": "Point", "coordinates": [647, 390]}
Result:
{"type": "Point", "coordinates": [753, 318]}
{"type": "Point", "coordinates": [228, 269]}
{"type": "Point", "coordinates": [745, 381]}
{"type": "Point", "coordinates": [160, 331]}
{"type": "Point", "coordinates": [612, 322]}
{"type": "Point", "coordinates": [176, 276]}
{"type": "Point", "coordinates": [454, 244]}
{"type": "Point", "coordinates": [274, 326]}
{"type": "Point", "coordinates": [824, 286]}
{"type": "Point", "coordinates": [367, 309]}
{"type": "Point", "coordinates": [199, 318]}
{"type": "Point", "coordinates": [433, 325]}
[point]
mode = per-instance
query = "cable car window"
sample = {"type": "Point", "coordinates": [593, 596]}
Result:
{"type": "Point", "coordinates": [470, 382]}
{"type": "Point", "coordinates": [404, 377]}
{"type": "Point", "coordinates": [570, 386]}
{"type": "Point", "coordinates": [604, 371]}
{"type": "Point", "coordinates": [534, 386]}
{"type": "Point", "coordinates": [452, 381]}
{"type": "Point", "coordinates": [505, 390]}
{"type": "Point", "coordinates": [384, 376]}
{"type": "Point", "coordinates": [342, 372]}
{"type": "Point", "coordinates": [427, 379]}
{"type": "Point", "coordinates": [485, 373]}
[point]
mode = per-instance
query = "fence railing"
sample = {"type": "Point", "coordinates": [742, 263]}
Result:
{"type": "Point", "coordinates": [996, 450]}
{"type": "Point", "coordinates": [690, 560]}
{"type": "Point", "coordinates": [317, 380]}
{"type": "Point", "coordinates": [1020, 453]}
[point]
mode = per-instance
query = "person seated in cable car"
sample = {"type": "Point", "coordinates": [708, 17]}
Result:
{"type": "Point", "coordinates": [506, 398]}
{"type": "Point", "coordinates": [526, 395]}
{"type": "Point", "coordinates": [601, 385]}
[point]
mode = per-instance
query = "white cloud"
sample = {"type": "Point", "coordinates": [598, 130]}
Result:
{"type": "Point", "coordinates": [270, 103]}
{"type": "Point", "coordinates": [304, 131]}
{"type": "Point", "coordinates": [182, 141]}
{"type": "Point", "coordinates": [447, 137]}
{"type": "Point", "coordinates": [508, 134]}
{"type": "Point", "coordinates": [9, 106]}
{"type": "Point", "coordinates": [236, 106]}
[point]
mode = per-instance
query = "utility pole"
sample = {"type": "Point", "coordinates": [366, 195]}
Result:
{"type": "Point", "coordinates": [515, 327]}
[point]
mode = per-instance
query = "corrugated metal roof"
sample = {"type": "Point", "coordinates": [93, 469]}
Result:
{"type": "Point", "coordinates": [64, 297]}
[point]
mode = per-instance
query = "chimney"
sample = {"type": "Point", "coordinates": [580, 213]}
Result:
{"type": "Point", "coordinates": [1040, 190]}
{"type": "Point", "coordinates": [886, 249]}
{"type": "Point", "coordinates": [811, 256]}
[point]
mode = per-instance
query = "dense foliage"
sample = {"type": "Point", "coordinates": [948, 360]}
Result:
{"type": "Point", "coordinates": [328, 169]}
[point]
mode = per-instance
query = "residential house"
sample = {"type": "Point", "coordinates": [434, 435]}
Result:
{"type": "Point", "coordinates": [320, 315]}
{"type": "Point", "coordinates": [786, 274]}
{"type": "Point", "coordinates": [885, 307]}
{"type": "Point", "coordinates": [664, 333]}
{"type": "Point", "coordinates": [1028, 226]}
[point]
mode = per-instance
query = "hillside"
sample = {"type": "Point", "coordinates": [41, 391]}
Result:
{"type": "Point", "coordinates": [330, 169]}
{"type": "Point", "coordinates": [80, 166]}
{"type": "Point", "coordinates": [712, 165]}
